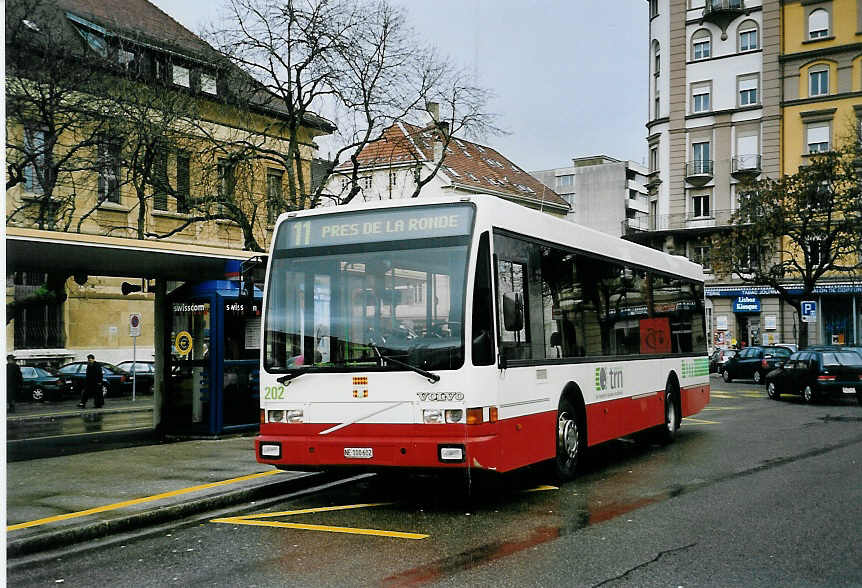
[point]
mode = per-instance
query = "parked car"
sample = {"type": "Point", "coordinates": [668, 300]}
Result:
{"type": "Point", "coordinates": [115, 381]}
{"type": "Point", "coordinates": [816, 374]}
{"type": "Point", "coordinates": [144, 373]}
{"type": "Point", "coordinates": [754, 362]}
{"type": "Point", "coordinates": [718, 358]}
{"type": "Point", "coordinates": [41, 384]}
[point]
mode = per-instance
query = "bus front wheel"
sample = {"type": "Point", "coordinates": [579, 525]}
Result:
{"type": "Point", "coordinates": [571, 441]}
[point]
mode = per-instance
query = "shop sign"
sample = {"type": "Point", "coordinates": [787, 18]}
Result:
{"type": "Point", "coordinates": [746, 304]}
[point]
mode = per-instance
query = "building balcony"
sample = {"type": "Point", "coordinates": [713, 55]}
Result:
{"type": "Point", "coordinates": [699, 172]}
{"type": "Point", "coordinates": [676, 222]}
{"type": "Point", "coordinates": [722, 13]}
{"type": "Point", "coordinates": [745, 166]}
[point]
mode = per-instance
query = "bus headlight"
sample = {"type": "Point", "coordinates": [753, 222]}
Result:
{"type": "Point", "coordinates": [294, 416]}
{"type": "Point", "coordinates": [432, 415]}
{"type": "Point", "coordinates": [454, 415]}
{"type": "Point", "coordinates": [275, 416]}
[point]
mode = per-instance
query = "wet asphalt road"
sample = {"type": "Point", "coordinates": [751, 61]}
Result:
{"type": "Point", "coordinates": [752, 493]}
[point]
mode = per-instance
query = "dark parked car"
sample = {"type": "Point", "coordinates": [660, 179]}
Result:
{"type": "Point", "coordinates": [41, 384]}
{"type": "Point", "coordinates": [718, 358]}
{"type": "Point", "coordinates": [754, 362]}
{"type": "Point", "coordinates": [816, 374]}
{"type": "Point", "coordinates": [115, 381]}
{"type": "Point", "coordinates": [144, 373]}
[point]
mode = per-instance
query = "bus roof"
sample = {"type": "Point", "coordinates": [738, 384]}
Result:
{"type": "Point", "coordinates": [493, 212]}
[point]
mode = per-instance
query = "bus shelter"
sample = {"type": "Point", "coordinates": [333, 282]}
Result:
{"type": "Point", "coordinates": [214, 337]}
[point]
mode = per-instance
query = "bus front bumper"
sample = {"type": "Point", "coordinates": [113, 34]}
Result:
{"type": "Point", "coordinates": [379, 446]}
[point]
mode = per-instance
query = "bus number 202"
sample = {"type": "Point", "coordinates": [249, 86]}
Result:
{"type": "Point", "coordinates": [273, 393]}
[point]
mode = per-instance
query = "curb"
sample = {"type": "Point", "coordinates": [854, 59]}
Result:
{"type": "Point", "coordinates": [64, 537]}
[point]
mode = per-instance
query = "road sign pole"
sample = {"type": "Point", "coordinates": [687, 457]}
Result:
{"type": "Point", "coordinates": [134, 360]}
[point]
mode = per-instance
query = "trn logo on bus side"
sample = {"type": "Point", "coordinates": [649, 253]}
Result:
{"type": "Point", "coordinates": [695, 367]}
{"type": "Point", "coordinates": [609, 379]}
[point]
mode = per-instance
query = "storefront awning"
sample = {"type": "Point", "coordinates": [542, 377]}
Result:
{"type": "Point", "coordinates": [46, 251]}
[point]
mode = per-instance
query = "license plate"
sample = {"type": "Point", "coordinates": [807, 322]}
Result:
{"type": "Point", "coordinates": [847, 390]}
{"type": "Point", "coordinates": [358, 452]}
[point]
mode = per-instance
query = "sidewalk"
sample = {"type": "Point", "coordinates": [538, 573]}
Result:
{"type": "Point", "coordinates": [56, 501]}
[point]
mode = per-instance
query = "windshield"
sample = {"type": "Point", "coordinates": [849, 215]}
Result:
{"type": "Point", "coordinates": [842, 358]}
{"type": "Point", "coordinates": [329, 304]}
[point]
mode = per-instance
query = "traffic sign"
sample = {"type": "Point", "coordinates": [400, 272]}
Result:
{"type": "Point", "coordinates": [809, 311]}
{"type": "Point", "coordinates": [135, 324]}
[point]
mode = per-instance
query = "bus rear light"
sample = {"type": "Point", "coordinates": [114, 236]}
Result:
{"type": "Point", "coordinates": [826, 378]}
{"type": "Point", "coordinates": [474, 416]}
{"type": "Point", "coordinates": [431, 416]}
{"type": "Point", "coordinates": [276, 416]}
{"type": "Point", "coordinates": [262, 416]}
{"type": "Point", "coordinates": [492, 414]}
{"type": "Point", "coordinates": [294, 416]}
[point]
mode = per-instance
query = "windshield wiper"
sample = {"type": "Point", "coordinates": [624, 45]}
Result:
{"type": "Point", "coordinates": [285, 379]}
{"type": "Point", "coordinates": [433, 378]}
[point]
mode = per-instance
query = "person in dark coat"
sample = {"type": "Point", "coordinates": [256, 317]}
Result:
{"type": "Point", "coordinates": [14, 381]}
{"type": "Point", "coordinates": [92, 383]}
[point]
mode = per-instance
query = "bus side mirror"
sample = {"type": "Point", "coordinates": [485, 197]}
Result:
{"type": "Point", "coordinates": [513, 314]}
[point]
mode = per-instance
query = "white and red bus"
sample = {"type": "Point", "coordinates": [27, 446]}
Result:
{"type": "Point", "coordinates": [470, 333]}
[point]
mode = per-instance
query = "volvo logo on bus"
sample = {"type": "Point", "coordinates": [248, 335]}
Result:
{"type": "Point", "coordinates": [440, 396]}
{"type": "Point", "coordinates": [607, 378]}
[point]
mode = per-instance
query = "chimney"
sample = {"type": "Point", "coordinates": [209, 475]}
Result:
{"type": "Point", "coordinates": [438, 150]}
{"type": "Point", "coordinates": [433, 110]}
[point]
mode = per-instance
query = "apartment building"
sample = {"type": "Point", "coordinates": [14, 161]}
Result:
{"type": "Point", "coordinates": [821, 87]}
{"type": "Point", "coordinates": [604, 193]}
{"type": "Point", "coordinates": [743, 89]}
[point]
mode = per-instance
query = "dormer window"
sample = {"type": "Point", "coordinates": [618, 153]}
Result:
{"type": "Point", "coordinates": [208, 84]}
{"type": "Point", "coordinates": [180, 76]}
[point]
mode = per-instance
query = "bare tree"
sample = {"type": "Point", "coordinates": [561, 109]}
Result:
{"type": "Point", "coordinates": [798, 229]}
{"type": "Point", "coordinates": [53, 121]}
{"type": "Point", "coordinates": [359, 61]}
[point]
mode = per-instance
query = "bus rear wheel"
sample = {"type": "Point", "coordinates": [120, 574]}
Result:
{"type": "Point", "coordinates": [667, 432]}
{"type": "Point", "coordinates": [571, 441]}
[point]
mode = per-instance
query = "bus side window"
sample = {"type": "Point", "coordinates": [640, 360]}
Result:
{"type": "Point", "coordinates": [483, 313]}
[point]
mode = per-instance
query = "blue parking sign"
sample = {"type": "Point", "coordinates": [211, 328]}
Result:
{"type": "Point", "coordinates": [809, 311]}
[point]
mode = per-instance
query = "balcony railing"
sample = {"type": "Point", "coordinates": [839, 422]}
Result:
{"type": "Point", "coordinates": [676, 222]}
{"type": "Point", "coordinates": [699, 172]}
{"type": "Point", "coordinates": [722, 13]}
{"type": "Point", "coordinates": [714, 7]}
{"type": "Point", "coordinates": [745, 165]}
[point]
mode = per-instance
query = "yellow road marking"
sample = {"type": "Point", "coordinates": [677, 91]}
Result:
{"type": "Point", "coordinates": [107, 507]}
{"type": "Point", "coordinates": [542, 488]}
{"type": "Point", "coordinates": [708, 408]}
{"type": "Point", "coordinates": [254, 520]}
{"type": "Point", "coordinates": [700, 421]}
{"type": "Point", "coordinates": [720, 395]}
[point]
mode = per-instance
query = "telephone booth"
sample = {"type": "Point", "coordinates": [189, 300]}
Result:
{"type": "Point", "coordinates": [214, 338]}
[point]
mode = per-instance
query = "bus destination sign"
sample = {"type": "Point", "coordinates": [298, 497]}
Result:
{"type": "Point", "coordinates": [420, 222]}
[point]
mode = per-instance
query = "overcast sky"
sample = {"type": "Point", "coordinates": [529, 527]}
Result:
{"type": "Point", "coordinates": [569, 76]}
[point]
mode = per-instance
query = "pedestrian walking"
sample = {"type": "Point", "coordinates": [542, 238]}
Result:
{"type": "Point", "coordinates": [14, 381]}
{"type": "Point", "coordinates": [92, 384]}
